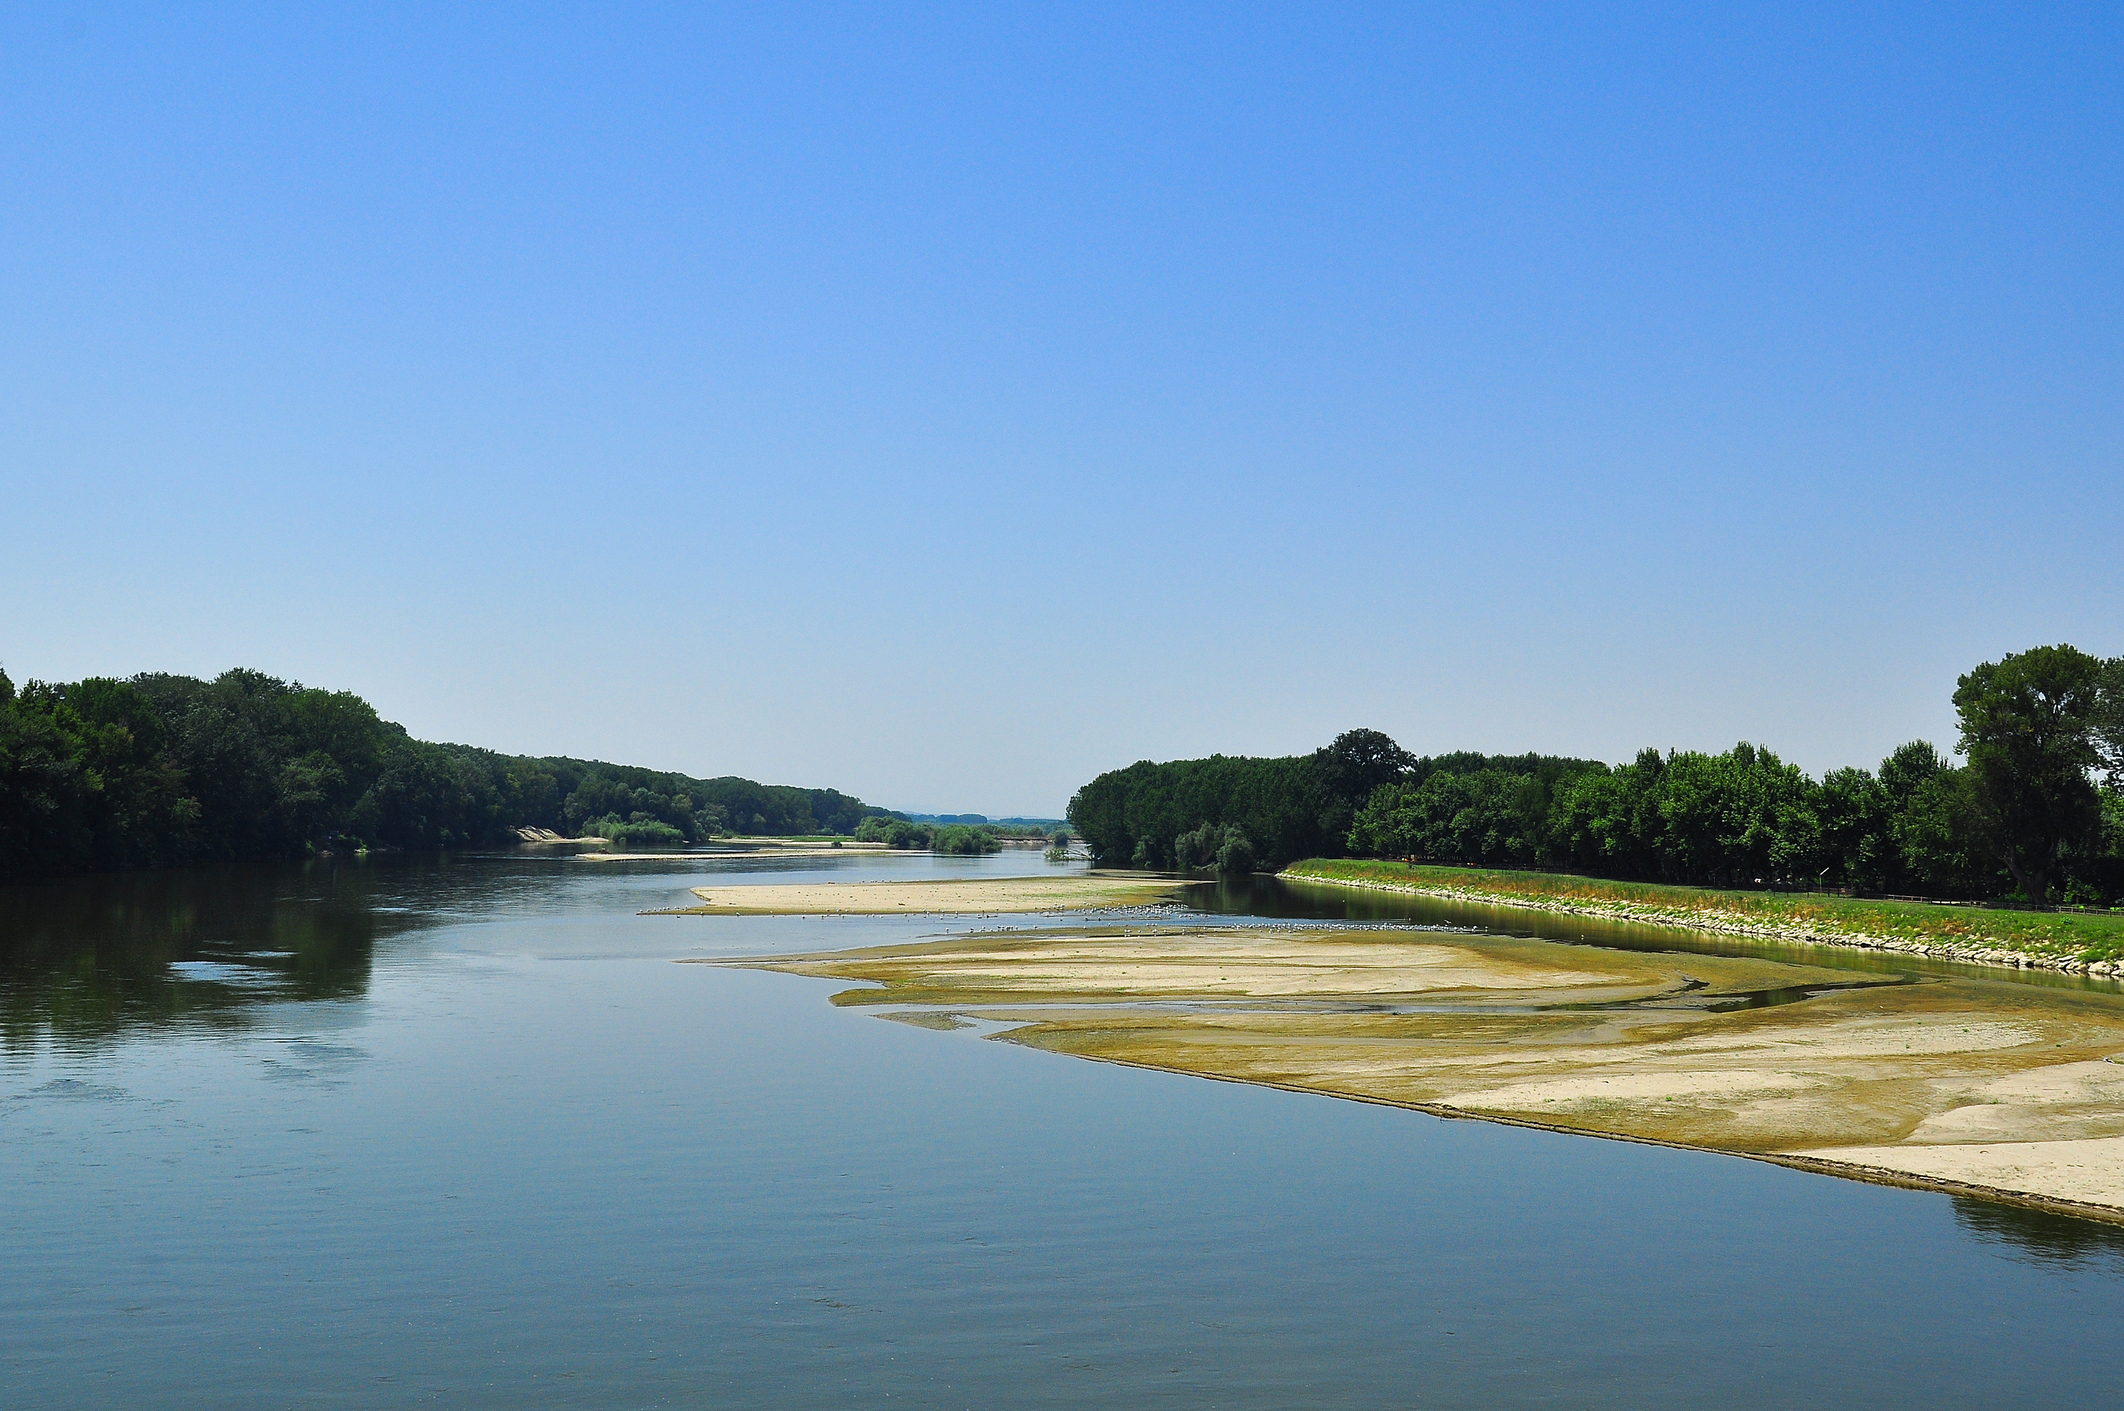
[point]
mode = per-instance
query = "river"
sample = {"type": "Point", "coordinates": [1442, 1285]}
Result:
{"type": "Point", "coordinates": [455, 1132]}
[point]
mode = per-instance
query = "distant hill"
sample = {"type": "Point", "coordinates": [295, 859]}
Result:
{"type": "Point", "coordinates": [976, 820]}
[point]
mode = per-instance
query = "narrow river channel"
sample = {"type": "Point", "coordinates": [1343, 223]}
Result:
{"type": "Point", "coordinates": [455, 1132]}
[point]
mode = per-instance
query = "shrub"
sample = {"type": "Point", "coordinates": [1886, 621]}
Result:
{"type": "Point", "coordinates": [964, 839]}
{"type": "Point", "coordinates": [637, 832]}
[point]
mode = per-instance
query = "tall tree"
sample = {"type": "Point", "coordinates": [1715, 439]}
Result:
{"type": "Point", "coordinates": [2029, 727]}
{"type": "Point", "coordinates": [2109, 720]}
{"type": "Point", "coordinates": [1347, 774]}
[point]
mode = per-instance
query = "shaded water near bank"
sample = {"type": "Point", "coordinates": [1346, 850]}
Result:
{"type": "Point", "coordinates": [456, 1132]}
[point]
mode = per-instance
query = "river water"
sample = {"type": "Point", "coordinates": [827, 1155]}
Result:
{"type": "Point", "coordinates": [455, 1132]}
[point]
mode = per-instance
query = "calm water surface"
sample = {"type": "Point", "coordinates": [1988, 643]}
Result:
{"type": "Point", "coordinates": [457, 1133]}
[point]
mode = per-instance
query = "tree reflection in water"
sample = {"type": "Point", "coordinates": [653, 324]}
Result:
{"type": "Point", "coordinates": [87, 958]}
{"type": "Point", "coordinates": [2040, 1236]}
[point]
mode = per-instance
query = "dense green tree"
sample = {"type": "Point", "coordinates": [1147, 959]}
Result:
{"type": "Point", "coordinates": [1486, 815]}
{"type": "Point", "coordinates": [1930, 825]}
{"type": "Point", "coordinates": [137, 810]}
{"type": "Point", "coordinates": [1909, 768]}
{"type": "Point", "coordinates": [1852, 813]}
{"type": "Point", "coordinates": [1936, 838]}
{"type": "Point", "coordinates": [428, 796]}
{"type": "Point", "coordinates": [44, 795]}
{"type": "Point", "coordinates": [1213, 845]}
{"type": "Point", "coordinates": [1607, 823]}
{"type": "Point", "coordinates": [161, 769]}
{"type": "Point", "coordinates": [2030, 729]}
{"type": "Point", "coordinates": [1131, 817]}
{"type": "Point", "coordinates": [1136, 816]}
{"type": "Point", "coordinates": [2098, 869]}
{"type": "Point", "coordinates": [641, 830]}
{"type": "Point", "coordinates": [895, 832]}
{"type": "Point", "coordinates": [1348, 772]}
{"type": "Point", "coordinates": [965, 839]}
{"type": "Point", "coordinates": [1741, 818]}
{"type": "Point", "coordinates": [529, 793]}
{"type": "Point", "coordinates": [2109, 720]}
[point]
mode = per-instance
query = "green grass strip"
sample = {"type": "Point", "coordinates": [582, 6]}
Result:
{"type": "Point", "coordinates": [2050, 935]}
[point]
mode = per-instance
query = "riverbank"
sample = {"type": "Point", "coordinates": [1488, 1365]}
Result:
{"type": "Point", "coordinates": [1973, 1086]}
{"type": "Point", "coordinates": [2074, 943]}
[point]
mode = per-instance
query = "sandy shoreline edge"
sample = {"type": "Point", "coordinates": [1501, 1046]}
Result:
{"type": "Point", "coordinates": [1025, 1035]}
{"type": "Point", "coordinates": [1813, 1165]}
{"type": "Point", "coordinates": [1998, 957]}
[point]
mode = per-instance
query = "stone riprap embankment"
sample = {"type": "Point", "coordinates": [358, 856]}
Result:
{"type": "Point", "coordinates": [1973, 952]}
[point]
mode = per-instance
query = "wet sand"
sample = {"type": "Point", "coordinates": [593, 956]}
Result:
{"type": "Point", "coordinates": [1963, 1084]}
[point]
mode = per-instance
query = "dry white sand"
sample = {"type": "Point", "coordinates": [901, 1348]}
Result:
{"type": "Point", "coordinates": [2089, 1171]}
{"type": "Point", "coordinates": [1233, 963]}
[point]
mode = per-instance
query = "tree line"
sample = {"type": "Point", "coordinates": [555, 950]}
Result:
{"type": "Point", "coordinates": [2035, 810]}
{"type": "Point", "coordinates": [159, 770]}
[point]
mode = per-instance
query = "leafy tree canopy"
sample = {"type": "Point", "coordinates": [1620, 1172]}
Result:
{"type": "Point", "coordinates": [2032, 730]}
{"type": "Point", "coordinates": [161, 770]}
{"type": "Point", "coordinates": [2025, 814]}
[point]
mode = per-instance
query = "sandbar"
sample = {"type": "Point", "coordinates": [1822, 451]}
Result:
{"type": "Point", "coordinates": [941, 896]}
{"type": "Point", "coordinates": [743, 847]}
{"type": "Point", "coordinates": [1974, 1085]}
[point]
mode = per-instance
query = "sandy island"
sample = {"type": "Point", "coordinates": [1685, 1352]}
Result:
{"type": "Point", "coordinates": [942, 896]}
{"type": "Point", "coordinates": [741, 847]}
{"type": "Point", "coordinates": [1980, 1086]}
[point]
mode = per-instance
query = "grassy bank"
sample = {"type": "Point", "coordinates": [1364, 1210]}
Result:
{"type": "Point", "coordinates": [2064, 940]}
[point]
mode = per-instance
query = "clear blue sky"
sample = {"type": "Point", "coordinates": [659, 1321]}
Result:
{"type": "Point", "coordinates": [948, 405]}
